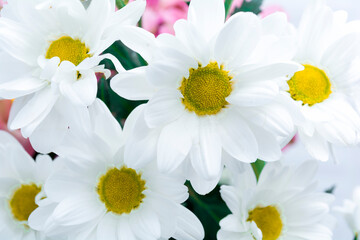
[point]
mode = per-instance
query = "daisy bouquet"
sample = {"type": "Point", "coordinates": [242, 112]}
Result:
{"type": "Point", "coordinates": [166, 119]}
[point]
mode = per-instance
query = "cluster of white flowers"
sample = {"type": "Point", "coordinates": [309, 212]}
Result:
{"type": "Point", "coordinates": [220, 94]}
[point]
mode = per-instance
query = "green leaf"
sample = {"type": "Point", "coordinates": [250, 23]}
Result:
{"type": "Point", "coordinates": [128, 58]}
{"type": "Point", "coordinates": [228, 4]}
{"type": "Point", "coordinates": [210, 209]}
{"type": "Point", "coordinates": [120, 4]}
{"type": "Point", "coordinates": [258, 166]}
{"type": "Point", "coordinates": [252, 6]}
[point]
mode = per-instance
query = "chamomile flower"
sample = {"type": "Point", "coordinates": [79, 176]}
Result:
{"type": "Point", "coordinates": [96, 196]}
{"type": "Point", "coordinates": [283, 205]}
{"type": "Point", "coordinates": [211, 91]}
{"type": "Point", "coordinates": [21, 180]}
{"type": "Point", "coordinates": [320, 95]}
{"type": "Point", "coordinates": [351, 212]}
{"type": "Point", "coordinates": [49, 54]}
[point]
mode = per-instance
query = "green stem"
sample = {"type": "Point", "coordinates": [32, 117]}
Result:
{"type": "Point", "coordinates": [356, 237]}
{"type": "Point", "coordinates": [228, 4]}
{"type": "Point", "coordinates": [120, 4]}
{"type": "Point", "coordinates": [203, 205]}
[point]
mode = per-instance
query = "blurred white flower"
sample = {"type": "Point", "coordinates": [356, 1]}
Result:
{"type": "Point", "coordinates": [320, 95]}
{"type": "Point", "coordinates": [283, 205]}
{"type": "Point", "coordinates": [351, 211]}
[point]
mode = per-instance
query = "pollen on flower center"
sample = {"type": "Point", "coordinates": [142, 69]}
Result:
{"type": "Point", "coordinates": [268, 220]}
{"type": "Point", "coordinates": [22, 203]}
{"type": "Point", "coordinates": [68, 49]}
{"type": "Point", "coordinates": [310, 86]}
{"type": "Point", "coordinates": [206, 89]}
{"type": "Point", "coordinates": [121, 190]}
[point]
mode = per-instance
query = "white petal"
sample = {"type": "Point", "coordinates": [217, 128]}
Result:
{"type": "Point", "coordinates": [139, 40]}
{"type": "Point", "coordinates": [228, 194]}
{"type": "Point", "coordinates": [237, 138]}
{"type": "Point", "coordinates": [254, 95]}
{"type": "Point", "coordinates": [207, 15]}
{"type": "Point", "coordinates": [314, 29]}
{"type": "Point", "coordinates": [187, 32]}
{"type": "Point", "coordinates": [83, 91]}
{"type": "Point", "coordinates": [124, 230]}
{"type": "Point", "coordinates": [231, 223]}
{"type": "Point", "coordinates": [164, 108]}
{"type": "Point", "coordinates": [269, 146]}
{"type": "Point", "coordinates": [188, 226]}
{"type": "Point", "coordinates": [206, 156]}
{"type": "Point", "coordinates": [77, 210]}
{"type": "Point", "coordinates": [339, 55]}
{"type": "Point", "coordinates": [50, 132]}
{"type": "Point", "coordinates": [133, 84]}
{"type": "Point", "coordinates": [130, 14]}
{"type": "Point", "coordinates": [40, 216]}
{"type": "Point", "coordinates": [104, 124]}
{"type": "Point", "coordinates": [272, 117]}
{"type": "Point", "coordinates": [167, 212]}
{"type": "Point", "coordinates": [237, 39]}
{"type": "Point", "coordinates": [21, 87]}
{"type": "Point", "coordinates": [200, 185]}
{"type": "Point", "coordinates": [22, 163]}
{"type": "Point", "coordinates": [145, 224]}
{"type": "Point", "coordinates": [141, 145]}
{"type": "Point", "coordinates": [316, 146]}
{"type": "Point", "coordinates": [44, 167]}
{"type": "Point", "coordinates": [40, 104]}
{"type": "Point", "coordinates": [107, 228]}
{"type": "Point", "coordinates": [174, 143]}
{"type": "Point", "coordinates": [268, 72]}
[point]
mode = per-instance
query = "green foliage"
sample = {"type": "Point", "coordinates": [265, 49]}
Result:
{"type": "Point", "coordinates": [120, 107]}
{"type": "Point", "coordinates": [258, 166]}
{"type": "Point", "coordinates": [120, 4]}
{"type": "Point", "coordinates": [228, 4]}
{"type": "Point", "coordinates": [210, 209]}
{"type": "Point", "coordinates": [252, 6]}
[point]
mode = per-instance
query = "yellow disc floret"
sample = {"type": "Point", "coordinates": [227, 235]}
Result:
{"type": "Point", "coordinates": [206, 89]}
{"type": "Point", "coordinates": [68, 49]}
{"type": "Point", "coordinates": [268, 220]}
{"type": "Point", "coordinates": [310, 86]}
{"type": "Point", "coordinates": [121, 190]}
{"type": "Point", "coordinates": [22, 203]}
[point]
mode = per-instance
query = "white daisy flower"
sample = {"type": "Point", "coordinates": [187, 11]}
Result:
{"type": "Point", "coordinates": [320, 95]}
{"type": "Point", "coordinates": [283, 205]}
{"type": "Point", "coordinates": [351, 211]}
{"type": "Point", "coordinates": [21, 180]}
{"type": "Point", "coordinates": [49, 54]}
{"type": "Point", "coordinates": [96, 196]}
{"type": "Point", "coordinates": [211, 89]}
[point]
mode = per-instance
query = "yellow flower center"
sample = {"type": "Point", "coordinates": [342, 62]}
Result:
{"type": "Point", "coordinates": [310, 86]}
{"type": "Point", "coordinates": [68, 49]}
{"type": "Point", "coordinates": [206, 89]}
{"type": "Point", "coordinates": [268, 220]}
{"type": "Point", "coordinates": [22, 203]}
{"type": "Point", "coordinates": [121, 190]}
